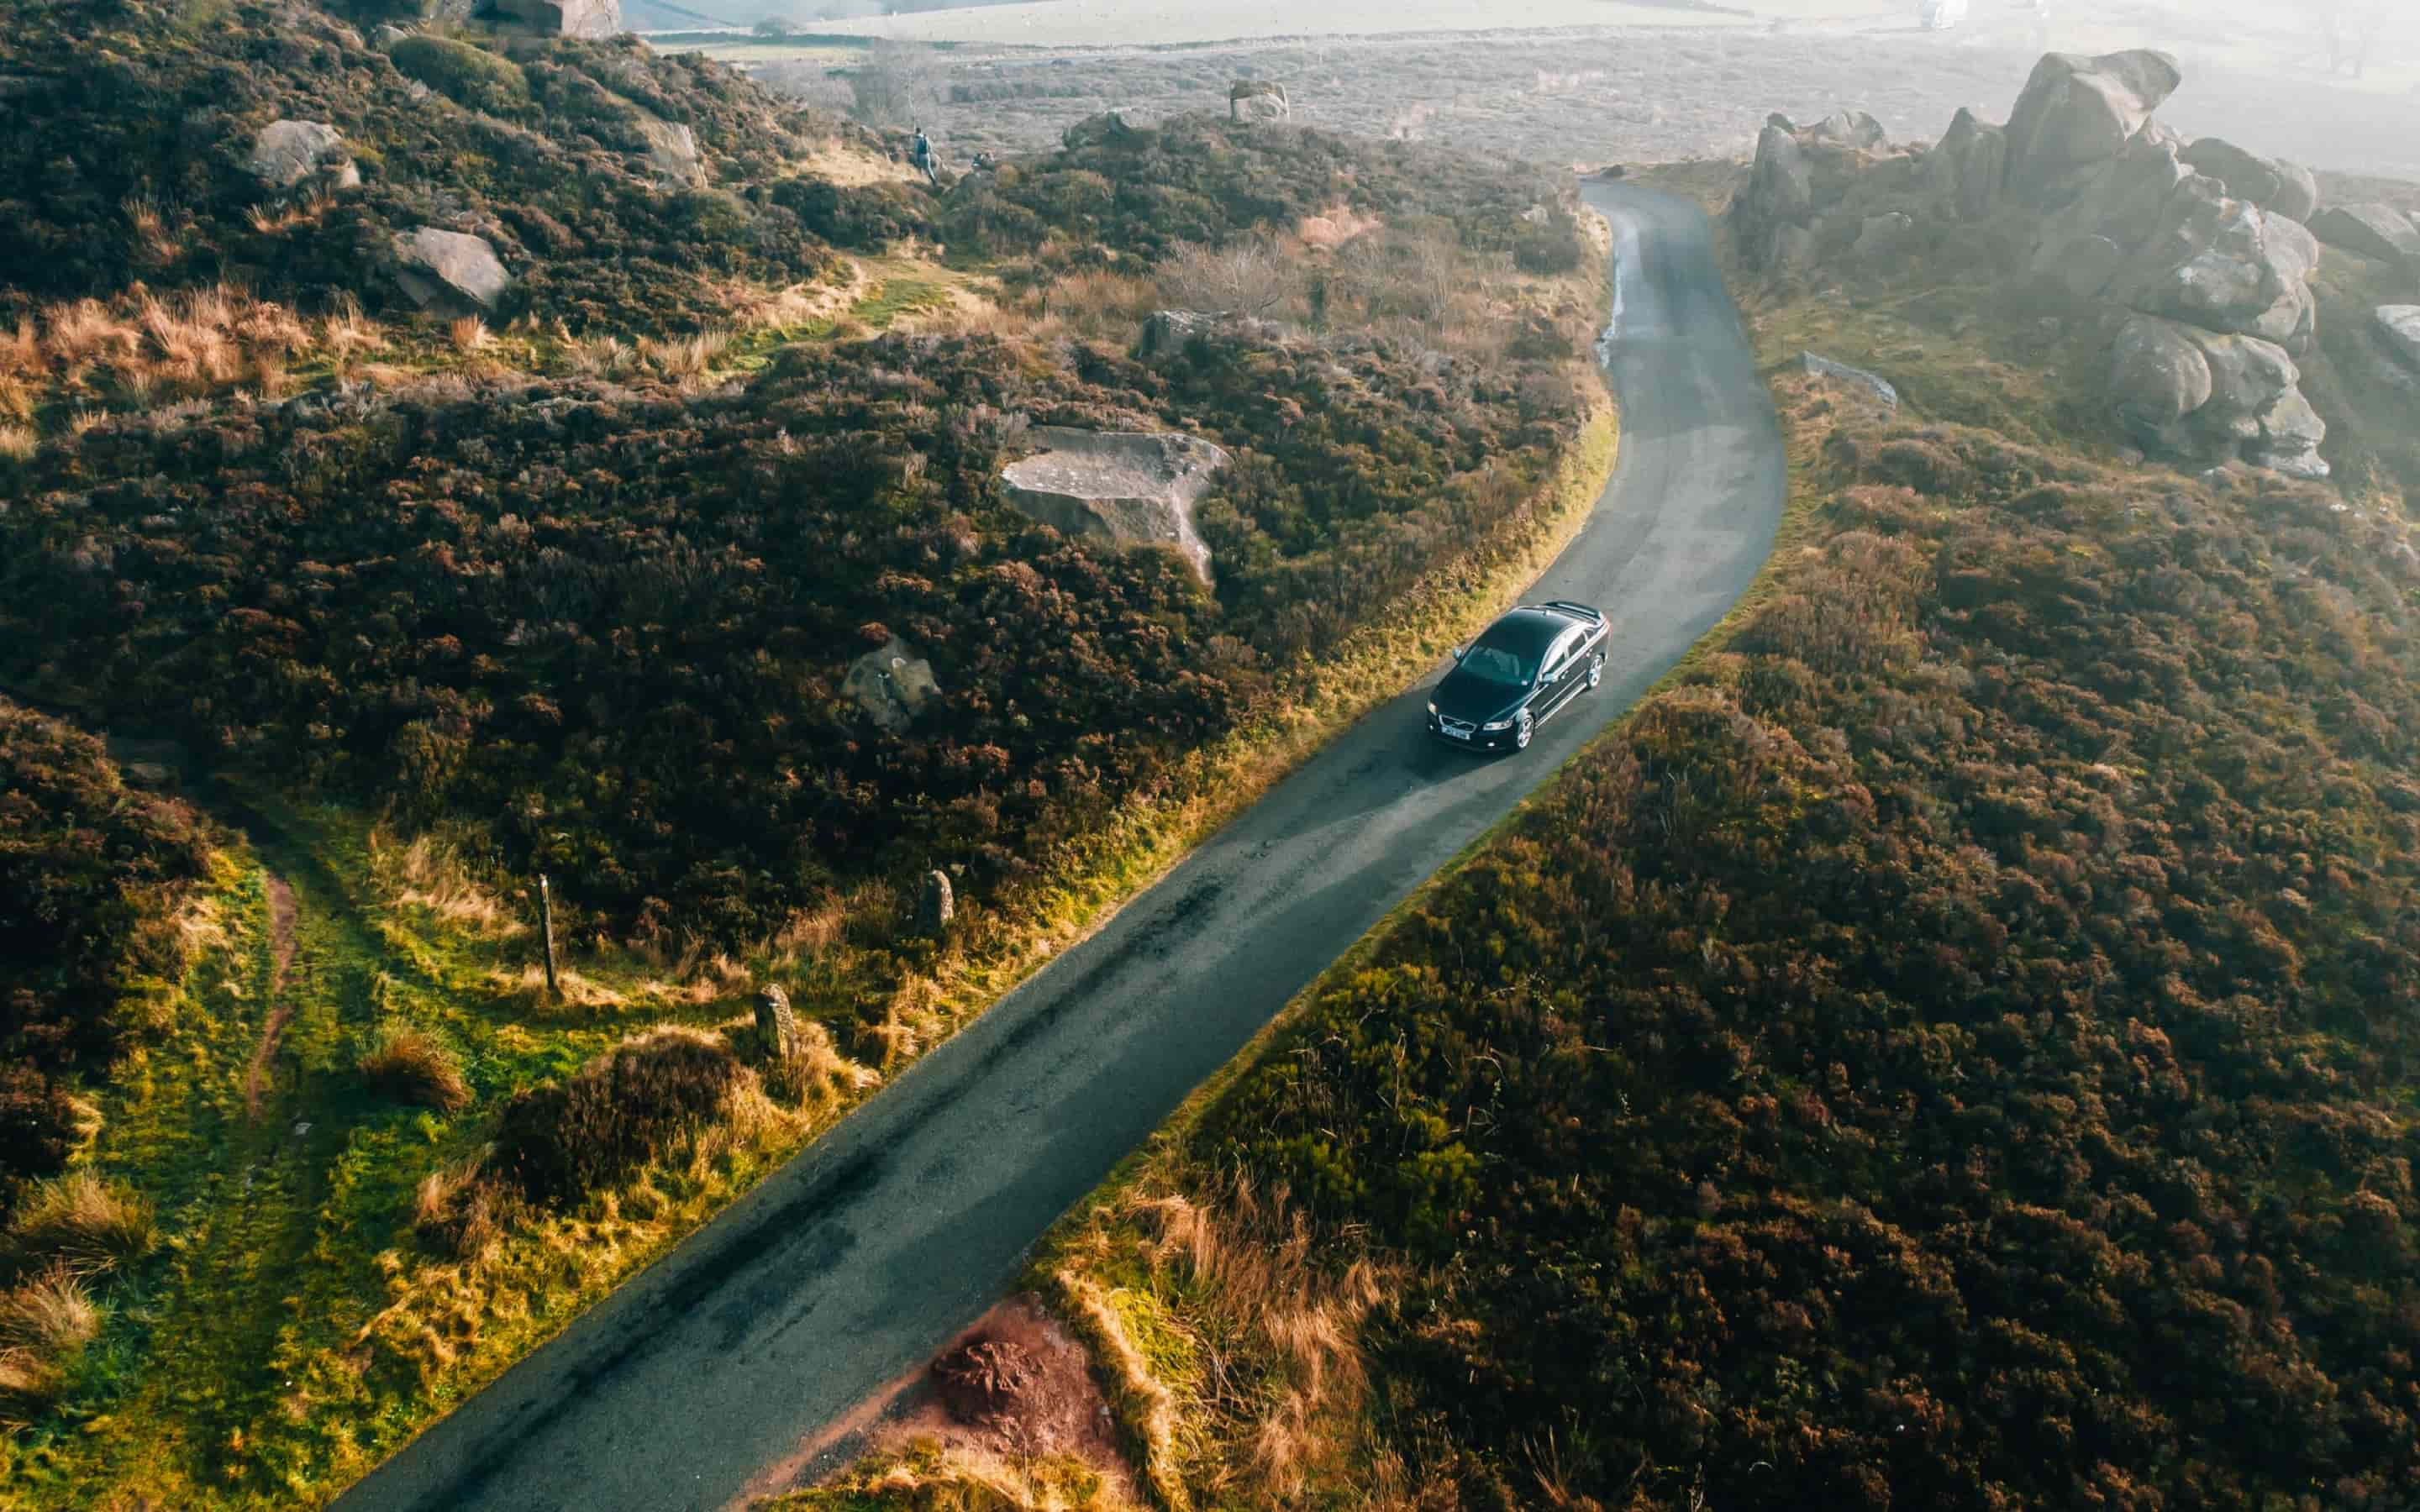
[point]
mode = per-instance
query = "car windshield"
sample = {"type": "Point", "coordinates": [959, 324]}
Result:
{"type": "Point", "coordinates": [1498, 665]}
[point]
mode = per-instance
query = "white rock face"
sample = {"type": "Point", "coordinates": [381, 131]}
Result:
{"type": "Point", "coordinates": [671, 152]}
{"type": "Point", "coordinates": [449, 268]}
{"type": "Point", "coordinates": [2400, 325]}
{"type": "Point", "coordinates": [1130, 487]}
{"type": "Point", "coordinates": [565, 18]}
{"type": "Point", "coordinates": [287, 152]}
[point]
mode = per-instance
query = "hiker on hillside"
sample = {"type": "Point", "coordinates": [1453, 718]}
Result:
{"type": "Point", "coordinates": [921, 153]}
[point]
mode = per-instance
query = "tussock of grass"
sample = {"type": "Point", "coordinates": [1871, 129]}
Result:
{"type": "Point", "coordinates": [82, 1225]}
{"type": "Point", "coordinates": [926, 1478]}
{"type": "Point", "coordinates": [627, 1106]}
{"type": "Point", "coordinates": [428, 872]}
{"type": "Point", "coordinates": [458, 1213]}
{"type": "Point", "coordinates": [412, 1065]}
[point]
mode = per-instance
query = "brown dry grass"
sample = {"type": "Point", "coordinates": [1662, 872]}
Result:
{"type": "Point", "coordinates": [138, 348]}
{"type": "Point", "coordinates": [82, 1225]}
{"type": "Point", "coordinates": [428, 872]}
{"type": "Point", "coordinates": [45, 1323]}
{"type": "Point", "coordinates": [412, 1065]}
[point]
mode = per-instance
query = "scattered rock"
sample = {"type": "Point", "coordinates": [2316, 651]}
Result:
{"type": "Point", "coordinates": [2400, 325]}
{"type": "Point", "coordinates": [1167, 332]}
{"type": "Point", "coordinates": [936, 905]}
{"type": "Point", "coordinates": [1108, 126]}
{"type": "Point", "coordinates": [2078, 112]}
{"type": "Point", "coordinates": [441, 269]}
{"type": "Point", "coordinates": [892, 685]}
{"type": "Point", "coordinates": [671, 152]}
{"type": "Point", "coordinates": [2373, 230]}
{"type": "Point", "coordinates": [1130, 487]}
{"type": "Point", "coordinates": [563, 17]}
{"type": "Point", "coordinates": [1872, 383]}
{"type": "Point", "coordinates": [284, 153]}
{"type": "Point", "coordinates": [777, 1027]}
{"type": "Point", "coordinates": [984, 1381]}
{"type": "Point", "coordinates": [1258, 99]}
{"type": "Point", "coordinates": [387, 35]}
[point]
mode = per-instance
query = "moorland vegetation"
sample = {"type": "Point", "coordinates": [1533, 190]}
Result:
{"type": "Point", "coordinates": [431, 602]}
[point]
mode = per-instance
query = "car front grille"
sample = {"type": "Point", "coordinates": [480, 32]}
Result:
{"type": "Point", "coordinates": [1457, 729]}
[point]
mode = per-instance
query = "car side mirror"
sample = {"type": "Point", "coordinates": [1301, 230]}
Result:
{"type": "Point", "coordinates": [1460, 651]}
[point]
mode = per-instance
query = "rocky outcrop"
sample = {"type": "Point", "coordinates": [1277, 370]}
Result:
{"type": "Point", "coordinates": [1258, 99]}
{"type": "Point", "coordinates": [2202, 397]}
{"type": "Point", "coordinates": [2077, 113]}
{"type": "Point", "coordinates": [443, 270]}
{"type": "Point", "coordinates": [2198, 245]}
{"type": "Point", "coordinates": [891, 686]}
{"type": "Point", "coordinates": [1126, 488]}
{"type": "Point", "coordinates": [562, 18]}
{"type": "Point", "coordinates": [2281, 187]}
{"type": "Point", "coordinates": [2379, 231]}
{"type": "Point", "coordinates": [288, 154]}
{"type": "Point", "coordinates": [1108, 126]}
{"type": "Point", "coordinates": [2398, 326]}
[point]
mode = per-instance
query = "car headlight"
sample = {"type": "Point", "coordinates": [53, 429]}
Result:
{"type": "Point", "coordinates": [1432, 710]}
{"type": "Point", "coordinates": [1498, 724]}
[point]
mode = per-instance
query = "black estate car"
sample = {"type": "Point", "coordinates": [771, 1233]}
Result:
{"type": "Point", "coordinates": [1516, 676]}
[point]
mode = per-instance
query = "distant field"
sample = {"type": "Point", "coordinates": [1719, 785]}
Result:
{"type": "Point", "coordinates": [1128, 23]}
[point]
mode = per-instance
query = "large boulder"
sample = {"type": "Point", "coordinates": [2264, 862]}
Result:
{"type": "Point", "coordinates": [441, 270]}
{"type": "Point", "coordinates": [1967, 169]}
{"type": "Point", "coordinates": [1258, 99]}
{"type": "Point", "coordinates": [2076, 112]}
{"type": "Point", "coordinates": [563, 17]}
{"type": "Point", "coordinates": [2398, 326]}
{"type": "Point", "coordinates": [2373, 230]}
{"type": "Point", "coordinates": [285, 153]}
{"type": "Point", "coordinates": [891, 685]}
{"type": "Point", "coordinates": [1126, 488]}
{"type": "Point", "coordinates": [2282, 188]}
{"type": "Point", "coordinates": [2157, 378]}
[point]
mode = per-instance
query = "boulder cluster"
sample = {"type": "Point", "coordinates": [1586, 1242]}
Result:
{"type": "Point", "coordinates": [2207, 252]}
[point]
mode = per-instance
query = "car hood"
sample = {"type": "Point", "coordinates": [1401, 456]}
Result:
{"type": "Point", "coordinates": [1463, 696]}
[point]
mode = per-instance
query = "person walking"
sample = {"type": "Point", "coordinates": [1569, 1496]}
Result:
{"type": "Point", "coordinates": [921, 153]}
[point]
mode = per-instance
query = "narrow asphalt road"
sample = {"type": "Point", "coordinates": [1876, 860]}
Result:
{"type": "Point", "coordinates": [851, 1265]}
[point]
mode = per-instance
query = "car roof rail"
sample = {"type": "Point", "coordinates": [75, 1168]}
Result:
{"type": "Point", "coordinates": [1582, 610]}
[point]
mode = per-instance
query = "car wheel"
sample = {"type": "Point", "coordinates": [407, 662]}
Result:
{"type": "Point", "coordinates": [1596, 670]}
{"type": "Point", "coordinates": [1521, 732]}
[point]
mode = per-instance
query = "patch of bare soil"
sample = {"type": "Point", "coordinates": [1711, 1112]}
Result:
{"type": "Point", "coordinates": [281, 1008]}
{"type": "Point", "coordinates": [1016, 1385]}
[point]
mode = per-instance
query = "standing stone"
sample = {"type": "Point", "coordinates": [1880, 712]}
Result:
{"type": "Point", "coordinates": [936, 905]}
{"type": "Point", "coordinates": [777, 1027]}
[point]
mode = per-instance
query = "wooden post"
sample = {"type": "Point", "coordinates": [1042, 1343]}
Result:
{"type": "Point", "coordinates": [546, 922]}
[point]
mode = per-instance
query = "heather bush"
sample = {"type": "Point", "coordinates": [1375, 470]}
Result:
{"type": "Point", "coordinates": [559, 1141]}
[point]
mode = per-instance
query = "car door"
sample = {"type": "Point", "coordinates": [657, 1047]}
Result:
{"type": "Point", "coordinates": [1555, 679]}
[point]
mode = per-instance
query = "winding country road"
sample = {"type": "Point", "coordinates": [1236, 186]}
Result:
{"type": "Point", "coordinates": [854, 1262]}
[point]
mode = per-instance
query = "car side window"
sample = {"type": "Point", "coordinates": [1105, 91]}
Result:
{"type": "Point", "coordinates": [1555, 657]}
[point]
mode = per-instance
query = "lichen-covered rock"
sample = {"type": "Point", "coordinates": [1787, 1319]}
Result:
{"type": "Point", "coordinates": [672, 152]}
{"type": "Point", "coordinates": [2077, 112]}
{"type": "Point", "coordinates": [442, 269]}
{"type": "Point", "coordinates": [1129, 487]}
{"type": "Point", "coordinates": [2226, 265]}
{"type": "Point", "coordinates": [2157, 378]}
{"type": "Point", "coordinates": [891, 685]}
{"type": "Point", "coordinates": [777, 1027]}
{"type": "Point", "coordinates": [2373, 230]}
{"type": "Point", "coordinates": [2398, 326]}
{"type": "Point", "coordinates": [1872, 383]}
{"type": "Point", "coordinates": [1258, 99]}
{"type": "Point", "coordinates": [285, 153]}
